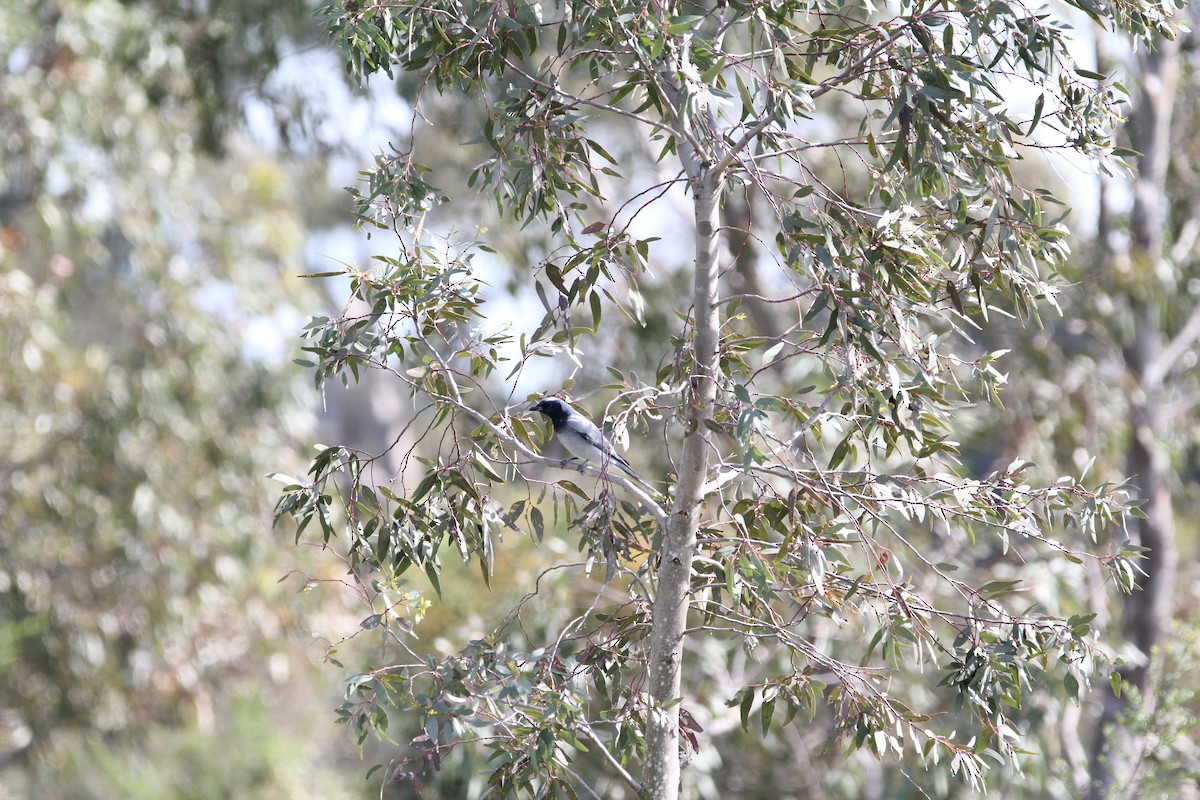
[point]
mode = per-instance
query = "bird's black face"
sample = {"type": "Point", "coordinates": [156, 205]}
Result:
{"type": "Point", "coordinates": [553, 408]}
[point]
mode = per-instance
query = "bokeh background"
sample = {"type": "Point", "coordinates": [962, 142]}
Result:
{"type": "Point", "coordinates": [168, 170]}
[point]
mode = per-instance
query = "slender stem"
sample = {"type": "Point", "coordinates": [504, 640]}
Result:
{"type": "Point", "coordinates": [612, 760]}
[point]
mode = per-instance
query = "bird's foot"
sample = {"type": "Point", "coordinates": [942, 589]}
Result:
{"type": "Point", "coordinates": [572, 461]}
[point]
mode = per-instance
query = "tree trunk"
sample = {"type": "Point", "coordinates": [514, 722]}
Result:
{"type": "Point", "coordinates": [1148, 608]}
{"type": "Point", "coordinates": [661, 774]}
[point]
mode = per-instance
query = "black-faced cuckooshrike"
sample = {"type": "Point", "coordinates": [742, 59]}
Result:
{"type": "Point", "coordinates": [580, 435]}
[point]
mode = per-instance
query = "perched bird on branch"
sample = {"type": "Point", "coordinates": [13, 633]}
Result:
{"type": "Point", "coordinates": [580, 436]}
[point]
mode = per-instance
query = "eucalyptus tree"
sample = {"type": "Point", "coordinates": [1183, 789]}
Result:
{"type": "Point", "coordinates": [814, 510]}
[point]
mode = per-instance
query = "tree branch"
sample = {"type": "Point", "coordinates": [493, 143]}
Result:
{"type": "Point", "coordinates": [611, 759]}
{"type": "Point", "coordinates": [1166, 360]}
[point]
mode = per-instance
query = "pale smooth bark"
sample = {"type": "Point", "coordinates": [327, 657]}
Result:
{"type": "Point", "coordinates": [661, 770]}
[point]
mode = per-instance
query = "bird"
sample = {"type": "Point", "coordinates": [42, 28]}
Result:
{"type": "Point", "coordinates": [580, 435]}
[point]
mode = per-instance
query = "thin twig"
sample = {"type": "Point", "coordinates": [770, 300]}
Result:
{"type": "Point", "coordinates": [616, 765]}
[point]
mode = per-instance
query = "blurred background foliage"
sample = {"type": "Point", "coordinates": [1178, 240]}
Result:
{"type": "Point", "coordinates": [149, 248]}
{"type": "Point", "coordinates": [164, 174]}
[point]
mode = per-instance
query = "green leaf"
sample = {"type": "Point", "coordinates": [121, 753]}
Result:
{"type": "Point", "coordinates": [1071, 685]}
{"type": "Point", "coordinates": [431, 571]}
{"type": "Point", "coordinates": [844, 449]}
{"type": "Point", "coordinates": [768, 711]}
{"type": "Point", "coordinates": [994, 589]}
{"type": "Point", "coordinates": [485, 466]}
{"type": "Point", "coordinates": [595, 304]}
{"type": "Point", "coordinates": [1037, 113]}
{"type": "Point", "coordinates": [423, 487]}
{"type": "Point", "coordinates": [538, 523]}
{"type": "Point", "coordinates": [746, 704]}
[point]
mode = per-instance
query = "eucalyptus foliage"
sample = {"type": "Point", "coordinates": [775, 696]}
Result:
{"type": "Point", "coordinates": [813, 510]}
